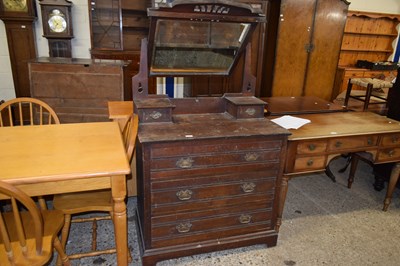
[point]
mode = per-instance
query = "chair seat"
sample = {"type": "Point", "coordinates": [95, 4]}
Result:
{"type": "Point", "coordinates": [376, 83]}
{"type": "Point", "coordinates": [53, 222]}
{"type": "Point", "coordinates": [78, 202]}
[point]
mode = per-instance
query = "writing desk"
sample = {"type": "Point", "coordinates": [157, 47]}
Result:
{"type": "Point", "coordinates": [311, 147]}
{"type": "Point", "coordinates": [52, 159]}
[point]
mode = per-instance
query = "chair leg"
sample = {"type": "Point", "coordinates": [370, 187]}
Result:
{"type": "Point", "coordinates": [367, 96]}
{"type": "Point", "coordinates": [64, 234]}
{"type": "Point", "coordinates": [353, 168]}
{"type": "Point", "coordinates": [42, 203]}
{"type": "Point", "coordinates": [348, 92]}
{"type": "Point", "coordinates": [62, 256]}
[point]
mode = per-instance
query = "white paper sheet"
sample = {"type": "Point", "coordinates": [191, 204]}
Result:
{"type": "Point", "coordinates": [290, 122]}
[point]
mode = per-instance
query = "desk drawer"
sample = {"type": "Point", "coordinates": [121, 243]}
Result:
{"type": "Point", "coordinates": [390, 140]}
{"type": "Point", "coordinates": [359, 142]}
{"type": "Point", "coordinates": [309, 147]}
{"type": "Point", "coordinates": [389, 155]}
{"type": "Point", "coordinates": [309, 163]}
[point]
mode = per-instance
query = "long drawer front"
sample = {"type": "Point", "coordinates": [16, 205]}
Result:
{"type": "Point", "coordinates": [204, 190]}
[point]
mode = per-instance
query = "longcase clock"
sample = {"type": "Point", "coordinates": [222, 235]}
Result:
{"type": "Point", "coordinates": [18, 17]}
{"type": "Point", "coordinates": [57, 26]}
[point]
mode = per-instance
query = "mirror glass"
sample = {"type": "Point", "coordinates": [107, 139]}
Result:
{"type": "Point", "coordinates": [188, 46]}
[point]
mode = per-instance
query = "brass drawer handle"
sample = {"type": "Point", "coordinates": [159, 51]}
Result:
{"type": "Point", "coordinates": [391, 153]}
{"type": "Point", "coordinates": [185, 163]}
{"type": "Point", "coordinates": [310, 162]}
{"type": "Point", "coordinates": [311, 147]}
{"type": "Point", "coordinates": [250, 111]}
{"type": "Point", "coordinates": [184, 194]}
{"type": "Point", "coordinates": [245, 218]}
{"type": "Point", "coordinates": [248, 187]}
{"type": "Point", "coordinates": [338, 144]}
{"type": "Point", "coordinates": [155, 115]}
{"type": "Point", "coordinates": [251, 157]}
{"type": "Point", "coordinates": [369, 141]}
{"type": "Point", "coordinates": [184, 227]}
{"type": "Point", "coordinates": [395, 139]}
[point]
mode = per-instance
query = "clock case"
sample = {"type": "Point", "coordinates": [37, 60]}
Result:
{"type": "Point", "coordinates": [28, 15]}
{"type": "Point", "coordinates": [59, 42]}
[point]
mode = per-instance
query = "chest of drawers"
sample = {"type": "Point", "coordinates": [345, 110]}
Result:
{"type": "Point", "coordinates": [207, 182]}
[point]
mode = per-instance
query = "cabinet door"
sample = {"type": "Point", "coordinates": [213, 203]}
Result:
{"type": "Point", "coordinates": [330, 19]}
{"type": "Point", "coordinates": [294, 33]}
{"type": "Point", "coordinates": [309, 39]}
{"type": "Point", "coordinates": [105, 24]}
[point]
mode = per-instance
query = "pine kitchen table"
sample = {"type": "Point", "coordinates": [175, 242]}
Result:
{"type": "Point", "coordinates": [52, 159]}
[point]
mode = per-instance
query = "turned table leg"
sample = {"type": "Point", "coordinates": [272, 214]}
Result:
{"type": "Point", "coordinates": [394, 177]}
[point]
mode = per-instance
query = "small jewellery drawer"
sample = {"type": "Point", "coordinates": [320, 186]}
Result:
{"type": "Point", "coordinates": [389, 154]}
{"type": "Point", "coordinates": [219, 225]}
{"type": "Point", "coordinates": [361, 142]}
{"type": "Point", "coordinates": [309, 163]}
{"type": "Point", "coordinates": [307, 147]}
{"type": "Point", "coordinates": [390, 140]}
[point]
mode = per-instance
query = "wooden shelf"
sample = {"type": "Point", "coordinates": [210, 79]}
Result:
{"type": "Point", "coordinates": [368, 36]}
{"type": "Point", "coordinates": [366, 50]}
{"type": "Point", "coordinates": [371, 33]}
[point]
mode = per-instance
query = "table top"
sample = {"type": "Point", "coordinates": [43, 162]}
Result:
{"type": "Point", "coordinates": [301, 104]}
{"type": "Point", "coordinates": [32, 154]}
{"type": "Point", "coordinates": [339, 124]}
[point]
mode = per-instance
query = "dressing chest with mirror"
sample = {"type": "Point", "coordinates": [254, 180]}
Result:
{"type": "Point", "coordinates": [209, 169]}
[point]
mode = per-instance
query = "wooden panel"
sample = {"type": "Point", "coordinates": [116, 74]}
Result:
{"type": "Point", "coordinates": [78, 90]}
{"type": "Point", "coordinates": [324, 57]}
{"type": "Point", "coordinates": [291, 57]}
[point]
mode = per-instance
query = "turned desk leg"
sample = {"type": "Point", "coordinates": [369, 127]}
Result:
{"type": "Point", "coordinates": [118, 188]}
{"type": "Point", "coordinates": [282, 198]}
{"type": "Point", "coordinates": [394, 177]}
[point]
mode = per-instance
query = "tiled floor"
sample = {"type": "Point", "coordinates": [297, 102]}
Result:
{"type": "Point", "coordinates": [325, 223]}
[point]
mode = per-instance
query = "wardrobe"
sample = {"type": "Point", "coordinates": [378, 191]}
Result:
{"type": "Point", "coordinates": [309, 37]}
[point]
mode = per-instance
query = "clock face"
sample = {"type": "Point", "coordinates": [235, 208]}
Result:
{"type": "Point", "coordinates": [57, 22]}
{"type": "Point", "coordinates": [15, 5]}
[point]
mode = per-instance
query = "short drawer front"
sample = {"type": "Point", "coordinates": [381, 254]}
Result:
{"type": "Point", "coordinates": [192, 162]}
{"type": "Point", "coordinates": [180, 196]}
{"type": "Point", "coordinates": [214, 227]}
{"type": "Point", "coordinates": [309, 163]}
{"type": "Point", "coordinates": [360, 142]}
{"type": "Point", "coordinates": [310, 147]}
{"type": "Point", "coordinates": [390, 140]}
{"type": "Point", "coordinates": [389, 155]}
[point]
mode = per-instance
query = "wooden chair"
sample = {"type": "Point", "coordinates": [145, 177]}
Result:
{"type": "Point", "coordinates": [26, 111]}
{"type": "Point", "coordinates": [97, 201]}
{"type": "Point", "coordinates": [27, 237]}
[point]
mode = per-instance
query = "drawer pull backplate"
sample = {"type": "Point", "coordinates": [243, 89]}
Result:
{"type": "Point", "coordinates": [184, 194]}
{"type": "Point", "coordinates": [245, 218]}
{"type": "Point", "coordinates": [184, 227]}
{"type": "Point", "coordinates": [248, 187]}
{"type": "Point", "coordinates": [185, 163]}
